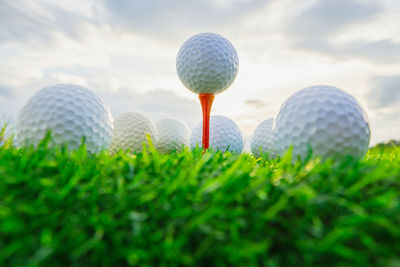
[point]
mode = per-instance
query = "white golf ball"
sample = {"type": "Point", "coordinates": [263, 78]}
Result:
{"type": "Point", "coordinates": [172, 135]}
{"type": "Point", "coordinates": [207, 63]}
{"type": "Point", "coordinates": [224, 135]}
{"type": "Point", "coordinates": [70, 112]}
{"type": "Point", "coordinates": [262, 139]}
{"type": "Point", "coordinates": [324, 119]}
{"type": "Point", "coordinates": [130, 132]}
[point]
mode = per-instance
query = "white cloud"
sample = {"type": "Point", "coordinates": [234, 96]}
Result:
{"type": "Point", "coordinates": [177, 18]}
{"type": "Point", "coordinates": [37, 22]}
{"type": "Point", "coordinates": [384, 92]}
{"type": "Point", "coordinates": [348, 29]}
{"type": "Point", "coordinates": [326, 17]}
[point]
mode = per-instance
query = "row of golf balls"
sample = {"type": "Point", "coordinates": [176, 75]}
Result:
{"type": "Point", "coordinates": [324, 119]}
{"type": "Point", "coordinates": [72, 112]}
{"type": "Point", "coordinates": [131, 131]}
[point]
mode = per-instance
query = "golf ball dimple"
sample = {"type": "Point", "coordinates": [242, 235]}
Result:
{"type": "Point", "coordinates": [70, 112]}
{"type": "Point", "coordinates": [224, 135]}
{"type": "Point", "coordinates": [130, 132]}
{"type": "Point", "coordinates": [207, 63]}
{"type": "Point", "coordinates": [324, 119]}
{"type": "Point", "coordinates": [172, 135]}
{"type": "Point", "coordinates": [262, 139]}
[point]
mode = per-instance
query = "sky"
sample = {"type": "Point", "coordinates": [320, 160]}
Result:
{"type": "Point", "coordinates": [125, 51]}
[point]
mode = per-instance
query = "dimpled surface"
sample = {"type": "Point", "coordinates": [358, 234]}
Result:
{"type": "Point", "coordinates": [207, 63]}
{"type": "Point", "coordinates": [325, 119]}
{"type": "Point", "coordinates": [172, 135]}
{"type": "Point", "coordinates": [262, 139]}
{"type": "Point", "coordinates": [130, 132]}
{"type": "Point", "coordinates": [70, 112]}
{"type": "Point", "coordinates": [224, 135]}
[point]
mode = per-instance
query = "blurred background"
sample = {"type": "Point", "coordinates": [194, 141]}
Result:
{"type": "Point", "coordinates": [125, 51]}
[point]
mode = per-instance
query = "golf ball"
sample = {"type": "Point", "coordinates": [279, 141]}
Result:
{"type": "Point", "coordinates": [324, 119]}
{"type": "Point", "coordinates": [224, 135]}
{"type": "Point", "coordinates": [70, 112]}
{"type": "Point", "coordinates": [172, 135]}
{"type": "Point", "coordinates": [262, 139]}
{"type": "Point", "coordinates": [207, 63]}
{"type": "Point", "coordinates": [130, 132]}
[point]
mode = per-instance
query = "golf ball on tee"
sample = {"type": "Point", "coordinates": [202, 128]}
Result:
{"type": "Point", "coordinates": [224, 135]}
{"type": "Point", "coordinates": [324, 119]}
{"type": "Point", "coordinates": [262, 139]}
{"type": "Point", "coordinates": [70, 112]}
{"type": "Point", "coordinates": [207, 63]}
{"type": "Point", "coordinates": [130, 132]}
{"type": "Point", "coordinates": [172, 135]}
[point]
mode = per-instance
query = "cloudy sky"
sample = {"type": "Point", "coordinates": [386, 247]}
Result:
{"type": "Point", "coordinates": [125, 51]}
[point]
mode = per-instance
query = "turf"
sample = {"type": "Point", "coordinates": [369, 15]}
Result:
{"type": "Point", "coordinates": [71, 208]}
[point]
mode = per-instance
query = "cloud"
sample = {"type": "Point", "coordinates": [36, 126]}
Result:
{"type": "Point", "coordinates": [7, 104]}
{"type": "Point", "coordinates": [383, 51]}
{"type": "Point", "coordinates": [329, 16]}
{"type": "Point", "coordinates": [385, 126]}
{"type": "Point", "coordinates": [26, 21]}
{"type": "Point", "coordinates": [177, 17]}
{"type": "Point", "coordinates": [384, 92]}
{"type": "Point", "coordinates": [5, 91]}
{"type": "Point", "coordinates": [33, 22]}
{"type": "Point", "coordinates": [383, 99]}
{"type": "Point", "coordinates": [256, 103]}
{"type": "Point", "coordinates": [316, 28]}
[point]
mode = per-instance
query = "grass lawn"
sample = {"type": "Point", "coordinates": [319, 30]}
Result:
{"type": "Point", "coordinates": [217, 209]}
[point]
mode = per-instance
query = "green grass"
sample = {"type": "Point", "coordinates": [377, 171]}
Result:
{"type": "Point", "coordinates": [217, 209]}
